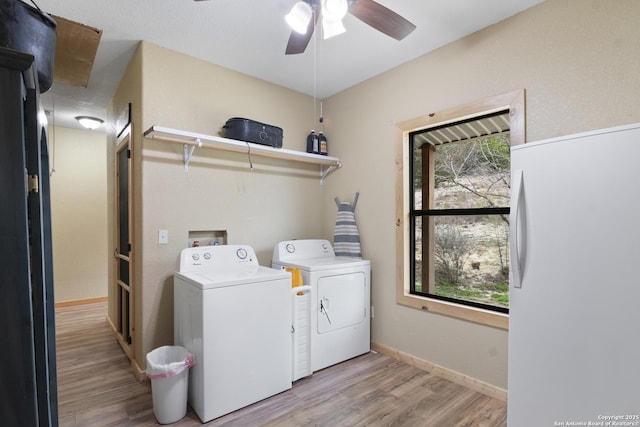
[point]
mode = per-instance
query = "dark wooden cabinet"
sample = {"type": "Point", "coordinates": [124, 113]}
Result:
{"type": "Point", "coordinates": [28, 387]}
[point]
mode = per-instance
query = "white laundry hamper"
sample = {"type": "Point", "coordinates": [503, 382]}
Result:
{"type": "Point", "coordinates": [168, 369]}
{"type": "Point", "coordinates": [301, 332]}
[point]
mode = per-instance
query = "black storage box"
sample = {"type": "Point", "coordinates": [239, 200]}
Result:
{"type": "Point", "coordinates": [251, 131]}
{"type": "Point", "coordinates": [30, 30]}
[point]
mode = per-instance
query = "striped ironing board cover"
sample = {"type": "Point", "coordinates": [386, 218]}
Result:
{"type": "Point", "coordinates": [346, 239]}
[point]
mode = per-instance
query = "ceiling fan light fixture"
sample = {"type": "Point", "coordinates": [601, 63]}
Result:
{"type": "Point", "coordinates": [89, 122]}
{"type": "Point", "coordinates": [332, 13]}
{"type": "Point", "coordinates": [334, 10]}
{"type": "Point", "coordinates": [299, 17]}
{"type": "Point", "coordinates": [332, 28]}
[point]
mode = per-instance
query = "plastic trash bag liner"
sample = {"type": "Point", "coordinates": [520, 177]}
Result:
{"type": "Point", "coordinates": [168, 361]}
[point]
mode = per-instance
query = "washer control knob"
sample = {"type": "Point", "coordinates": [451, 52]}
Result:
{"type": "Point", "coordinates": [324, 246]}
{"type": "Point", "coordinates": [195, 257]}
{"type": "Point", "coordinates": [207, 255]}
{"type": "Point", "coordinates": [290, 248]}
{"type": "Point", "coordinates": [241, 253]}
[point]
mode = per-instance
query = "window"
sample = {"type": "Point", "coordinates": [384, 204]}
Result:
{"type": "Point", "coordinates": [459, 212]}
{"type": "Point", "coordinates": [453, 210]}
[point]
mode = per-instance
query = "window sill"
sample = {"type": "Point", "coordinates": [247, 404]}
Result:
{"type": "Point", "coordinates": [459, 311]}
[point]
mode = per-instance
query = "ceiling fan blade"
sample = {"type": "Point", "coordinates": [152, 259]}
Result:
{"type": "Point", "coordinates": [298, 42]}
{"type": "Point", "coordinates": [381, 18]}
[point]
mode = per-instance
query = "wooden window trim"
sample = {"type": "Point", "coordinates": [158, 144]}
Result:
{"type": "Point", "coordinates": [515, 103]}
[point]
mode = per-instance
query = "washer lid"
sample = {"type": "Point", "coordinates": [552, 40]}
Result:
{"type": "Point", "coordinates": [234, 277]}
{"type": "Point", "coordinates": [324, 263]}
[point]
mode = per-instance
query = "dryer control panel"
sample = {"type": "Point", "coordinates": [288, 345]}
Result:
{"type": "Point", "coordinates": [210, 259]}
{"type": "Point", "coordinates": [291, 250]}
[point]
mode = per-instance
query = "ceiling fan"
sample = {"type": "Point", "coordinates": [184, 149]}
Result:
{"type": "Point", "coordinates": [332, 11]}
{"type": "Point", "coordinates": [305, 14]}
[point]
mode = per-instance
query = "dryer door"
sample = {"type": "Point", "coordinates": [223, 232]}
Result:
{"type": "Point", "coordinates": [341, 301]}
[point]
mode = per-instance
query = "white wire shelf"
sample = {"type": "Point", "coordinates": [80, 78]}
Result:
{"type": "Point", "coordinates": [191, 140]}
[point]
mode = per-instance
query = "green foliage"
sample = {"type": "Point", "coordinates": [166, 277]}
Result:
{"type": "Point", "coordinates": [489, 294]}
{"type": "Point", "coordinates": [418, 287]}
{"type": "Point", "coordinates": [450, 251]}
{"type": "Point", "coordinates": [451, 290]}
{"type": "Point", "coordinates": [483, 156]}
{"type": "Point", "coordinates": [502, 299]}
{"type": "Point", "coordinates": [501, 287]}
{"type": "Point", "coordinates": [497, 151]}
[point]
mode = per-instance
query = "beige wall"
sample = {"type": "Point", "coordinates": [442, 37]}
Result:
{"type": "Point", "coordinates": [79, 213]}
{"type": "Point", "coordinates": [277, 200]}
{"type": "Point", "coordinates": [577, 60]}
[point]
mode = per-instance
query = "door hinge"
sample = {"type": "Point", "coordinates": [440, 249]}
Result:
{"type": "Point", "coordinates": [128, 154]}
{"type": "Point", "coordinates": [32, 183]}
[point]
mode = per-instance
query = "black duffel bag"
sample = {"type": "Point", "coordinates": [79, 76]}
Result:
{"type": "Point", "coordinates": [28, 29]}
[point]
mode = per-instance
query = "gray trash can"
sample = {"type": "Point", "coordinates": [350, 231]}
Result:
{"type": "Point", "coordinates": [168, 369]}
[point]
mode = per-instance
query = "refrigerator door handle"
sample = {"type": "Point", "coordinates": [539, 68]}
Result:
{"type": "Point", "coordinates": [514, 226]}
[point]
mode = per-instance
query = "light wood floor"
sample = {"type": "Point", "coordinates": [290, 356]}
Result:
{"type": "Point", "coordinates": [96, 388]}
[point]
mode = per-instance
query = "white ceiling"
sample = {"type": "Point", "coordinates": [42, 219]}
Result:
{"type": "Point", "coordinates": [250, 36]}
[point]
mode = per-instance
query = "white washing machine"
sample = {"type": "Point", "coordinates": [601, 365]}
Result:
{"type": "Point", "coordinates": [235, 317]}
{"type": "Point", "coordinates": [340, 299]}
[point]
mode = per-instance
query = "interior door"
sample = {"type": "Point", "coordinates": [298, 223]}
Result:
{"type": "Point", "coordinates": [123, 253]}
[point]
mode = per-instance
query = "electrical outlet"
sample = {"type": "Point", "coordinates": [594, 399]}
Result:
{"type": "Point", "coordinates": [163, 237]}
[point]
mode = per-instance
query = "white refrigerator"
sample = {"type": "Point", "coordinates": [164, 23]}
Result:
{"type": "Point", "coordinates": [574, 328]}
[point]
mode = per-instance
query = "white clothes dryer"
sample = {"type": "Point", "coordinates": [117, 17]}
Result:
{"type": "Point", "coordinates": [340, 298]}
{"type": "Point", "coordinates": [235, 317]}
